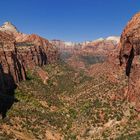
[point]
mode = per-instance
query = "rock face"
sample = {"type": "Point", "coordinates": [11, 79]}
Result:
{"type": "Point", "coordinates": [129, 57]}
{"type": "Point", "coordinates": [35, 50]}
{"type": "Point", "coordinates": [20, 52]}
{"type": "Point", "coordinates": [113, 38]}
{"type": "Point", "coordinates": [11, 67]}
{"type": "Point", "coordinates": [9, 27]}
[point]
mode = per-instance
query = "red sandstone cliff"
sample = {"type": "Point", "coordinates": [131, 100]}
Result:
{"type": "Point", "coordinates": [81, 55]}
{"type": "Point", "coordinates": [35, 50]}
{"type": "Point", "coordinates": [20, 52]}
{"type": "Point", "coordinates": [129, 57]}
{"type": "Point", "coordinates": [11, 67]}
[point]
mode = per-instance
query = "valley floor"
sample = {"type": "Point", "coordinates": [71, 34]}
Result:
{"type": "Point", "coordinates": [71, 106]}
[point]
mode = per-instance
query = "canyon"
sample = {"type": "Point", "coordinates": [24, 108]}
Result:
{"type": "Point", "coordinates": [68, 90]}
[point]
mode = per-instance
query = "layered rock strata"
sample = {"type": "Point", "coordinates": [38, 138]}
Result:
{"type": "Point", "coordinates": [20, 53]}
{"type": "Point", "coordinates": [129, 57]}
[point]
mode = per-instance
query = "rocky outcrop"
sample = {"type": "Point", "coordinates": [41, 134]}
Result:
{"type": "Point", "coordinates": [11, 67]}
{"type": "Point", "coordinates": [35, 50]}
{"type": "Point", "coordinates": [20, 52]}
{"type": "Point", "coordinates": [129, 57]}
{"type": "Point", "coordinates": [8, 27]}
{"type": "Point", "coordinates": [113, 38]}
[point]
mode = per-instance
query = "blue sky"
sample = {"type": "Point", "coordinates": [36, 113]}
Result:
{"type": "Point", "coordinates": [69, 20]}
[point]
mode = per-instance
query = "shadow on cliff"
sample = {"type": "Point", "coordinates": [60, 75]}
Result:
{"type": "Point", "coordinates": [7, 91]}
{"type": "Point", "coordinates": [129, 62]}
{"type": "Point", "coordinates": [44, 59]}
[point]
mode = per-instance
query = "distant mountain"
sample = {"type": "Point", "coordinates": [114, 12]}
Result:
{"type": "Point", "coordinates": [113, 38]}
{"type": "Point", "coordinates": [80, 55]}
{"type": "Point", "coordinates": [64, 44]}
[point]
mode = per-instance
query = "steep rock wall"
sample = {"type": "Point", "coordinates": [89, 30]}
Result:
{"type": "Point", "coordinates": [19, 53]}
{"type": "Point", "coordinates": [11, 68]}
{"type": "Point", "coordinates": [129, 57]}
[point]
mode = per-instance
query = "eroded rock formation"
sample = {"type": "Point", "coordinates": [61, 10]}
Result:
{"type": "Point", "coordinates": [35, 50]}
{"type": "Point", "coordinates": [21, 52]}
{"type": "Point", "coordinates": [11, 67]}
{"type": "Point", "coordinates": [8, 27]}
{"type": "Point", "coordinates": [129, 57]}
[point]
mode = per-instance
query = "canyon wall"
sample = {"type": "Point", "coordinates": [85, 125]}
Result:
{"type": "Point", "coordinates": [35, 50]}
{"type": "Point", "coordinates": [129, 58]}
{"type": "Point", "coordinates": [11, 67]}
{"type": "Point", "coordinates": [19, 53]}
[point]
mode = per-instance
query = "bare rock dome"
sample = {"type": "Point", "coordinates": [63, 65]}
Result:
{"type": "Point", "coordinates": [8, 26]}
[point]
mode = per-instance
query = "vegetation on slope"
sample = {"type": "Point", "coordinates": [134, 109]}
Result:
{"type": "Point", "coordinates": [71, 106]}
